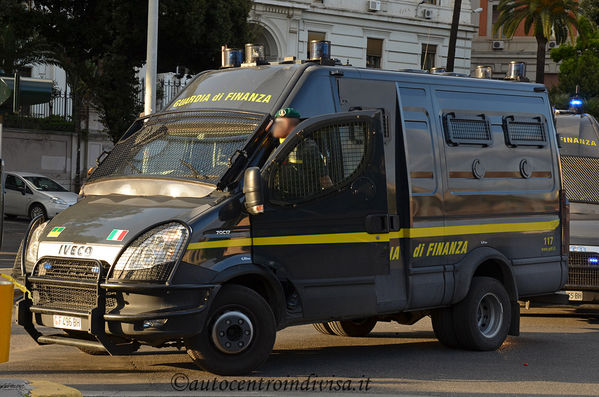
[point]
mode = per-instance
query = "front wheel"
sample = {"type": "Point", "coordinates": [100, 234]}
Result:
{"type": "Point", "coordinates": [238, 336]}
{"type": "Point", "coordinates": [482, 319]}
{"type": "Point", "coordinates": [37, 210]}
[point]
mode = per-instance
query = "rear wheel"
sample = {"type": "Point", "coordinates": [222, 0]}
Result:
{"type": "Point", "coordinates": [323, 328]}
{"type": "Point", "coordinates": [354, 328]}
{"type": "Point", "coordinates": [442, 320]}
{"type": "Point", "coordinates": [238, 336]}
{"type": "Point", "coordinates": [482, 319]}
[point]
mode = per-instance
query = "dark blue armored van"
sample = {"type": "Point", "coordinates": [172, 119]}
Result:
{"type": "Point", "coordinates": [579, 153]}
{"type": "Point", "coordinates": [444, 200]}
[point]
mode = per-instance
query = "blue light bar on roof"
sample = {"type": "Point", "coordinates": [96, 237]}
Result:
{"type": "Point", "coordinates": [575, 102]}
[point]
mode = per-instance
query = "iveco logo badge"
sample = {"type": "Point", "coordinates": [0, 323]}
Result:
{"type": "Point", "coordinates": [47, 266]}
{"type": "Point", "coordinates": [75, 250]}
{"type": "Point", "coordinates": [96, 269]}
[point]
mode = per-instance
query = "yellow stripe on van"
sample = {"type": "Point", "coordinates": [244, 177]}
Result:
{"type": "Point", "coordinates": [362, 237]}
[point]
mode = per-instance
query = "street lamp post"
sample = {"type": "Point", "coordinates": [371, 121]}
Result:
{"type": "Point", "coordinates": [453, 35]}
{"type": "Point", "coordinates": [151, 58]}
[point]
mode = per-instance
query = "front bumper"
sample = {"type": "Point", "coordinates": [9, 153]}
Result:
{"type": "Point", "coordinates": [119, 314]}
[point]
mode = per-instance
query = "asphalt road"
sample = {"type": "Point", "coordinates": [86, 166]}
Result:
{"type": "Point", "coordinates": [556, 354]}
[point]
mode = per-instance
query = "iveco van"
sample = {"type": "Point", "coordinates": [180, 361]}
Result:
{"type": "Point", "coordinates": [444, 200]}
{"type": "Point", "coordinates": [579, 138]}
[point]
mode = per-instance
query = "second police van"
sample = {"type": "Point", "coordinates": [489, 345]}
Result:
{"type": "Point", "coordinates": [444, 200]}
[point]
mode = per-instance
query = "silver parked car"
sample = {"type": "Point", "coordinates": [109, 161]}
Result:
{"type": "Point", "coordinates": [29, 194]}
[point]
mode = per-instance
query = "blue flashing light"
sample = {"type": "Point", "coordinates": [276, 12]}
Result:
{"type": "Point", "coordinates": [593, 260]}
{"type": "Point", "coordinates": [575, 102]}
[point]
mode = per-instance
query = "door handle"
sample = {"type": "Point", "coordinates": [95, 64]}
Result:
{"type": "Point", "coordinates": [382, 223]}
{"type": "Point", "coordinates": [376, 224]}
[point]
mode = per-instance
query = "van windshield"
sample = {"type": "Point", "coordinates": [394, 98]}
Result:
{"type": "Point", "coordinates": [189, 145]}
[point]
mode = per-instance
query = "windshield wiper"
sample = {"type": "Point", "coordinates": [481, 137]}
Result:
{"type": "Point", "coordinates": [197, 174]}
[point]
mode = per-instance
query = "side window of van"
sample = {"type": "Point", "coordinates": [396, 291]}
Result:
{"type": "Point", "coordinates": [323, 160]}
{"type": "Point", "coordinates": [469, 130]}
{"type": "Point", "coordinates": [524, 131]}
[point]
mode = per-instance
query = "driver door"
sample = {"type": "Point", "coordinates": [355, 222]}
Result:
{"type": "Point", "coordinates": [325, 222]}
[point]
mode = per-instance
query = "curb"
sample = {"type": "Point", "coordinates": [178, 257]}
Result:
{"type": "Point", "coordinates": [36, 388]}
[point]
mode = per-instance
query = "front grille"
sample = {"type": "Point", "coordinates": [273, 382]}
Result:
{"type": "Point", "coordinates": [583, 271]}
{"type": "Point", "coordinates": [69, 269]}
{"type": "Point", "coordinates": [51, 295]}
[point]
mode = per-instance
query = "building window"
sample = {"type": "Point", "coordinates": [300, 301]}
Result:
{"type": "Point", "coordinates": [315, 36]}
{"type": "Point", "coordinates": [427, 58]}
{"type": "Point", "coordinates": [433, 2]}
{"type": "Point", "coordinates": [374, 53]}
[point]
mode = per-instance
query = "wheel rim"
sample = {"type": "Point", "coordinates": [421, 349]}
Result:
{"type": "Point", "coordinates": [36, 211]}
{"type": "Point", "coordinates": [489, 315]}
{"type": "Point", "coordinates": [232, 332]}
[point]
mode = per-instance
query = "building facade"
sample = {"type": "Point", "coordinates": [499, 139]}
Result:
{"type": "Point", "coordinates": [493, 49]}
{"type": "Point", "coordinates": [387, 34]}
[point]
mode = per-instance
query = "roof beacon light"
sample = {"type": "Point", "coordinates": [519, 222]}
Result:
{"type": "Point", "coordinates": [482, 72]}
{"type": "Point", "coordinates": [516, 71]}
{"type": "Point", "coordinates": [576, 104]}
{"type": "Point", "coordinates": [320, 50]}
{"type": "Point", "coordinates": [254, 53]}
{"type": "Point", "coordinates": [230, 57]}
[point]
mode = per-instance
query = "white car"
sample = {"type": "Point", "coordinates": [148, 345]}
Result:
{"type": "Point", "coordinates": [28, 194]}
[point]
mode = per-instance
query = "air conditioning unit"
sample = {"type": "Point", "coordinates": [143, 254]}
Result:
{"type": "Point", "coordinates": [552, 44]}
{"type": "Point", "coordinates": [498, 44]}
{"type": "Point", "coordinates": [427, 14]}
{"type": "Point", "coordinates": [374, 5]}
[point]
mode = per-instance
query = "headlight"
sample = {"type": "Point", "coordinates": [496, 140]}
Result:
{"type": "Point", "coordinates": [56, 200]}
{"type": "Point", "coordinates": [152, 255]}
{"type": "Point", "coordinates": [33, 246]}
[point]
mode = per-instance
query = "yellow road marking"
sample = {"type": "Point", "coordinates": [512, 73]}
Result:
{"type": "Point", "coordinates": [362, 237]}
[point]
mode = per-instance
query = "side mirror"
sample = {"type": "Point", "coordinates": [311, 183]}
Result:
{"type": "Point", "coordinates": [252, 188]}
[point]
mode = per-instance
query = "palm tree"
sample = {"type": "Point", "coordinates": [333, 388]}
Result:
{"type": "Point", "coordinates": [543, 17]}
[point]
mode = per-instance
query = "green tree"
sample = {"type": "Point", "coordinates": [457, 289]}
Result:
{"type": "Point", "coordinates": [579, 66]}
{"type": "Point", "coordinates": [590, 9]}
{"type": "Point", "coordinates": [542, 17]}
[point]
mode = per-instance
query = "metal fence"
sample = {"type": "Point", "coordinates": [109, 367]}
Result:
{"type": "Point", "coordinates": [60, 105]}
{"type": "Point", "coordinates": [165, 92]}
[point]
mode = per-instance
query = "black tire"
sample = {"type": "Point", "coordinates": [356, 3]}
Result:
{"type": "Point", "coordinates": [323, 328]}
{"type": "Point", "coordinates": [482, 319]}
{"type": "Point", "coordinates": [442, 320]}
{"type": "Point", "coordinates": [354, 328]}
{"type": "Point", "coordinates": [38, 209]}
{"type": "Point", "coordinates": [234, 303]}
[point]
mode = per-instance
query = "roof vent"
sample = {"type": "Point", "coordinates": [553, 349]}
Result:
{"type": "Point", "coordinates": [516, 71]}
{"type": "Point", "coordinates": [482, 72]}
{"type": "Point", "coordinates": [230, 57]}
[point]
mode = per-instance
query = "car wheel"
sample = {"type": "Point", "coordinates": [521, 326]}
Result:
{"type": "Point", "coordinates": [323, 328]}
{"type": "Point", "coordinates": [37, 210]}
{"type": "Point", "coordinates": [442, 320]}
{"type": "Point", "coordinates": [238, 336]}
{"type": "Point", "coordinates": [482, 319]}
{"type": "Point", "coordinates": [354, 328]}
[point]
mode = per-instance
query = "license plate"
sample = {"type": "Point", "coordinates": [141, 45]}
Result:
{"type": "Point", "coordinates": [67, 322]}
{"type": "Point", "coordinates": [574, 295]}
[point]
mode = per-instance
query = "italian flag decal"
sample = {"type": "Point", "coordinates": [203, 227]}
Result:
{"type": "Point", "coordinates": [117, 235]}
